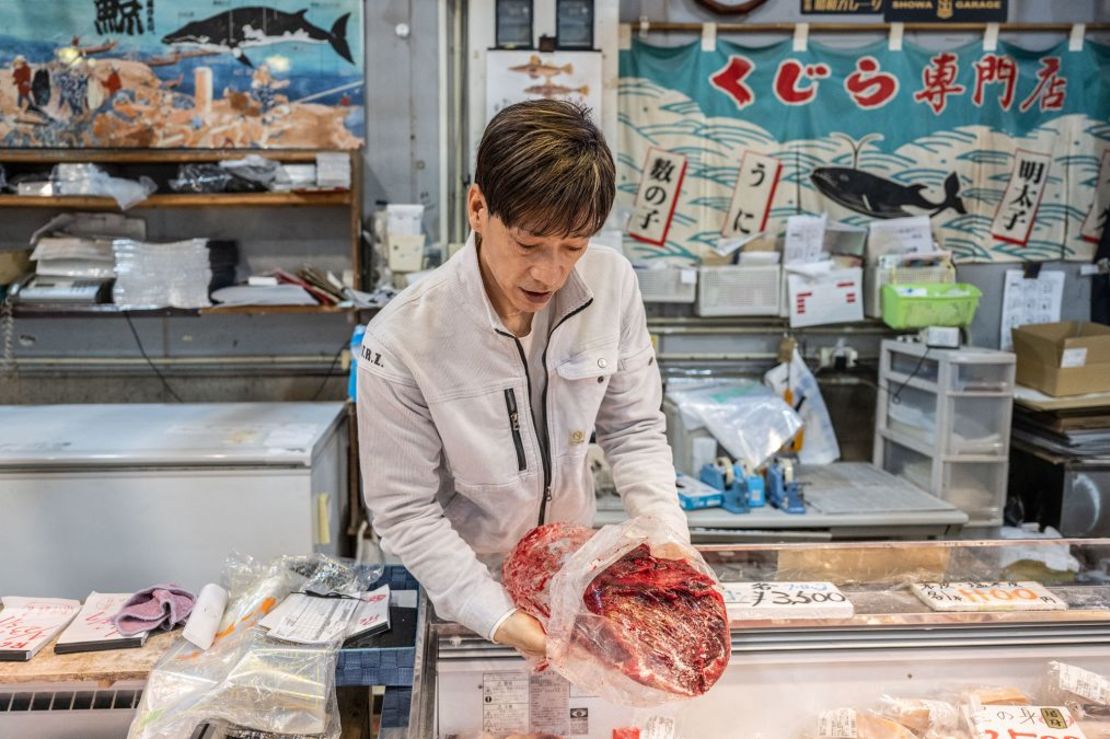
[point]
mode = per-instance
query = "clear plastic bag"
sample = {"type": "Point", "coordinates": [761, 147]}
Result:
{"type": "Point", "coordinates": [1084, 693]}
{"type": "Point", "coordinates": [610, 653]}
{"type": "Point", "coordinates": [258, 169]}
{"type": "Point", "coordinates": [89, 179]}
{"type": "Point", "coordinates": [925, 717]}
{"type": "Point", "coordinates": [819, 445]}
{"type": "Point", "coordinates": [247, 680]}
{"type": "Point", "coordinates": [212, 178]}
{"type": "Point", "coordinates": [745, 417]}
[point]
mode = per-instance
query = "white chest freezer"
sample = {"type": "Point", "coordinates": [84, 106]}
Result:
{"type": "Point", "coordinates": [115, 498]}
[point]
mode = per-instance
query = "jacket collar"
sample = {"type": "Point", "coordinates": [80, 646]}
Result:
{"type": "Point", "coordinates": [571, 297]}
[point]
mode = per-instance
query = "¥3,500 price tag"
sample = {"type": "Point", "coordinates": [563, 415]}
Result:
{"type": "Point", "coordinates": [987, 596]}
{"type": "Point", "coordinates": [755, 601]}
{"type": "Point", "coordinates": [1023, 722]}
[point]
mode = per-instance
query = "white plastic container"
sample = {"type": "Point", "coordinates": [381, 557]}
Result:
{"type": "Point", "coordinates": [739, 290]}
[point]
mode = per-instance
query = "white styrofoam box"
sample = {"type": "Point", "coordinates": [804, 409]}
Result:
{"type": "Point", "coordinates": [835, 296]}
{"type": "Point", "coordinates": [877, 276]}
{"type": "Point", "coordinates": [739, 290]}
{"type": "Point", "coordinates": [669, 284]}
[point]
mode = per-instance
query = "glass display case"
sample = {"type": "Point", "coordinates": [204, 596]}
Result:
{"type": "Point", "coordinates": [784, 674]}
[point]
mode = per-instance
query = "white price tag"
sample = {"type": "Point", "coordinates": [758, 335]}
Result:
{"type": "Point", "coordinates": [837, 724]}
{"type": "Point", "coordinates": [1022, 722]}
{"type": "Point", "coordinates": [987, 596]}
{"type": "Point", "coordinates": [749, 601]}
{"type": "Point", "coordinates": [1084, 683]}
{"type": "Point", "coordinates": [1074, 357]}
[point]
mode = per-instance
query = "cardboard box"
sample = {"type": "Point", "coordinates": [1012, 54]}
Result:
{"type": "Point", "coordinates": [835, 296]}
{"type": "Point", "coordinates": [1065, 358]}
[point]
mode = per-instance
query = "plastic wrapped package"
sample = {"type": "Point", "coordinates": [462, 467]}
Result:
{"type": "Point", "coordinates": [152, 275]}
{"type": "Point", "coordinates": [212, 178]}
{"type": "Point", "coordinates": [914, 719]}
{"type": "Point", "coordinates": [1086, 695]}
{"type": "Point", "coordinates": [632, 613]}
{"type": "Point", "coordinates": [247, 681]}
{"type": "Point", "coordinates": [257, 169]}
{"type": "Point", "coordinates": [89, 179]}
{"type": "Point", "coordinates": [745, 417]}
{"type": "Point", "coordinates": [931, 718]}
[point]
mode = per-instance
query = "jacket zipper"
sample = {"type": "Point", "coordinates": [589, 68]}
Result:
{"type": "Point", "coordinates": [514, 424]}
{"type": "Point", "coordinates": [543, 437]}
{"type": "Point", "coordinates": [546, 446]}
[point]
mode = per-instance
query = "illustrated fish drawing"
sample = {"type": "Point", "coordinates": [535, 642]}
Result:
{"type": "Point", "coordinates": [240, 28]}
{"type": "Point", "coordinates": [548, 90]}
{"type": "Point", "coordinates": [535, 68]}
{"type": "Point", "coordinates": [877, 197]}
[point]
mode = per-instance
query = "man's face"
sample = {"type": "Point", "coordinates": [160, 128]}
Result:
{"type": "Point", "coordinates": [522, 270]}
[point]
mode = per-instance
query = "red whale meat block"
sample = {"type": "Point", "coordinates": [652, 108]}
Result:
{"type": "Point", "coordinates": [666, 622]}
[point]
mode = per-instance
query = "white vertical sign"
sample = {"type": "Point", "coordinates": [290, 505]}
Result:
{"type": "Point", "coordinates": [657, 197]}
{"type": "Point", "coordinates": [1013, 222]}
{"type": "Point", "coordinates": [1100, 209]}
{"type": "Point", "coordinates": [753, 195]}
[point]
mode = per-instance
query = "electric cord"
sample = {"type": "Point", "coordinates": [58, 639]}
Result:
{"type": "Point", "coordinates": [921, 360]}
{"type": "Point", "coordinates": [150, 363]}
{"type": "Point", "coordinates": [7, 326]}
{"type": "Point", "coordinates": [331, 369]}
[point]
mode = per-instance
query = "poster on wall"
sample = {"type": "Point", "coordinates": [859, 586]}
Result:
{"type": "Point", "coordinates": [841, 7]}
{"type": "Point", "coordinates": [946, 11]}
{"type": "Point", "coordinates": [169, 73]}
{"type": "Point", "coordinates": [1003, 151]}
{"type": "Point", "coordinates": [515, 76]}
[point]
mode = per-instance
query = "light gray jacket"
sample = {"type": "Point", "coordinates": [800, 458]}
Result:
{"type": "Point", "coordinates": [453, 465]}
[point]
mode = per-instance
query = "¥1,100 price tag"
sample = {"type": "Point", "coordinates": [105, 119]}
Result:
{"type": "Point", "coordinates": [987, 596]}
{"type": "Point", "coordinates": [1023, 722]}
{"type": "Point", "coordinates": [756, 601]}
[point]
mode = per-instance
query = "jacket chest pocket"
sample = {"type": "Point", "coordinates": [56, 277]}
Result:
{"type": "Point", "coordinates": [583, 381]}
{"type": "Point", "coordinates": [484, 435]}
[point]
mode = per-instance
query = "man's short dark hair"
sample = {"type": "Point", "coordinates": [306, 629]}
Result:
{"type": "Point", "coordinates": [543, 166]}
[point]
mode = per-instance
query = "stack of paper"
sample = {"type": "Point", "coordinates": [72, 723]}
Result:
{"type": "Point", "coordinates": [74, 257]}
{"type": "Point", "coordinates": [152, 275]}
{"type": "Point", "coordinates": [28, 624]}
{"type": "Point", "coordinates": [300, 177]}
{"type": "Point", "coordinates": [333, 170]}
{"type": "Point", "coordinates": [93, 630]}
{"type": "Point", "coordinates": [263, 295]}
{"type": "Point", "coordinates": [311, 619]}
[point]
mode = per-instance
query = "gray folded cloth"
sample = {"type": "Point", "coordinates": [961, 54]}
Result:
{"type": "Point", "coordinates": [159, 606]}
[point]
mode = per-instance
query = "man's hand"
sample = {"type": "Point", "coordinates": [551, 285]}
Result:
{"type": "Point", "coordinates": [524, 633]}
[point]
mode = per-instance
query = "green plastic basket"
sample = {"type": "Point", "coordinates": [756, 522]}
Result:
{"type": "Point", "coordinates": [918, 305]}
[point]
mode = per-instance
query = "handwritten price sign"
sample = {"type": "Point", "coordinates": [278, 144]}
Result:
{"type": "Point", "coordinates": [987, 596]}
{"type": "Point", "coordinates": [785, 600]}
{"type": "Point", "coordinates": [1024, 722]}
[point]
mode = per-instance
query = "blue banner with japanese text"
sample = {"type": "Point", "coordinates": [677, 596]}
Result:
{"type": "Point", "coordinates": [1006, 150]}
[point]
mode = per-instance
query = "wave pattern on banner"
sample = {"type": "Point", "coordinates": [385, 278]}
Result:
{"type": "Point", "coordinates": [980, 158]}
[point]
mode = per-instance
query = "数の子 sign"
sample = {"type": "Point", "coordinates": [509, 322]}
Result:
{"type": "Point", "coordinates": [1002, 149]}
{"type": "Point", "coordinates": [165, 73]}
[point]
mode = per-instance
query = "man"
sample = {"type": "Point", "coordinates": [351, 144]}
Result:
{"type": "Point", "coordinates": [21, 78]}
{"type": "Point", "coordinates": [480, 386]}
